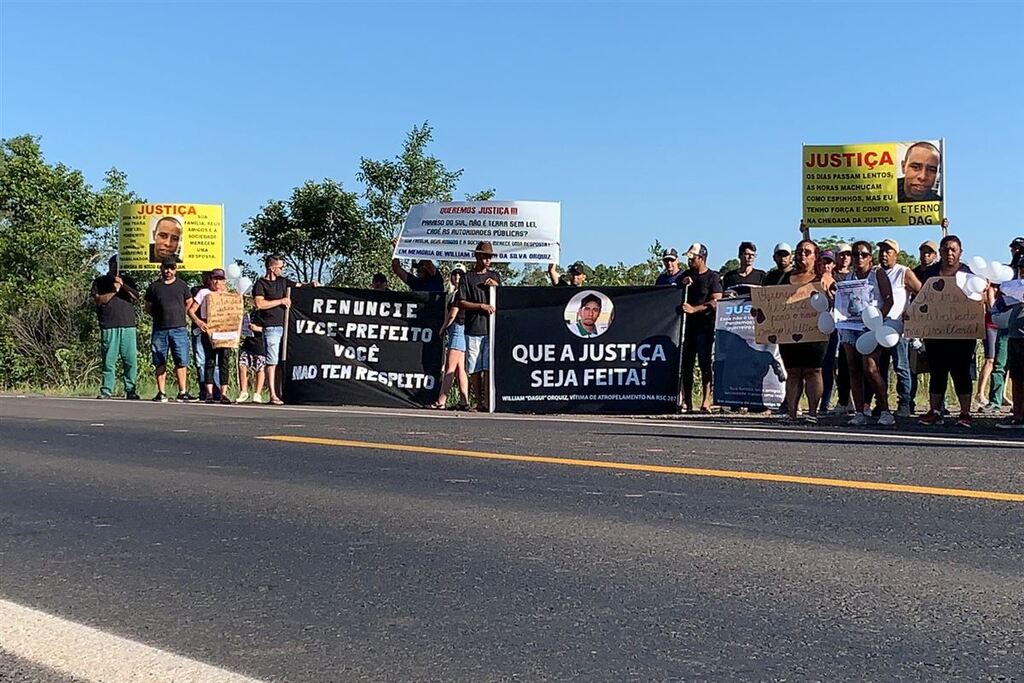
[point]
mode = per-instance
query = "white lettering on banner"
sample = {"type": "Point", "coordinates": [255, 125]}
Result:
{"type": "Point", "coordinates": [621, 352]}
{"type": "Point", "coordinates": [363, 354]}
{"type": "Point", "coordinates": [519, 231]}
{"type": "Point", "coordinates": [597, 377]}
{"type": "Point", "coordinates": [370, 331]}
{"type": "Point", "coordinates": [369, 309]}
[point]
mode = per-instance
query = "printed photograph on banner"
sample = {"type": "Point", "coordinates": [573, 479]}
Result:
{"type": "Point", "coordinates": [746, 374]}
{"type": "Point", "coordinates": [191, 234]}
{"type": "Point", "coordinates": [852, 297]}
{"type": "Point", "coordinates": [886, 184]}
{"type": "Point", "coordinates": [589, 314]}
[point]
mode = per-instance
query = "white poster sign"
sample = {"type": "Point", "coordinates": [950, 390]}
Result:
{"type": "Point", "coordinates": [449, 231]}
{"type": "Point", "coordinates": [852, 297]}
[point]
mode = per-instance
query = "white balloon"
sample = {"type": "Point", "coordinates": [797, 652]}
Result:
{"type": "Point", "coordinates": [887, 337]}
{"type": "Point", "coordinates": [866, 343]}
{"type": "Point", "coordinates": [819, 302]}
{"type": "Point", "coordinates": [244, 284]}
{"type": "Point", "coordinates": [871, 317]}
{"type": "Point", "coordinates": [979, 266]}
{"type": "Point", "coordinates": [233, 271]}
{"type": "Point", "coordinates": [999, 273]}
{"type": "Point", "coordinates": [894, 325]}
{"type": "Point", "coordinates": [976, 284]}
{"type": "Point", "coordinates": [826, 323]}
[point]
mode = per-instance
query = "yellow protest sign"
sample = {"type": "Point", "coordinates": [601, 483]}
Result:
{"type": "Point", "coordinates": [886, 184]}
{"type": "Point", "coordinates": [192, 234]}
{"type": "Point", "coordinates": [783, 314]}
{"type": "Point", "coordinates": [224, 319]}
{"type": "Point", "coordinates": [942, 311]}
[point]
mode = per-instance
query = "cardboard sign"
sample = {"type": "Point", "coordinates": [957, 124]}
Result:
{"type": "Point", "coordinates": [943, 311]}
{"type": "Point", "coordinates": [783, 314]}
{"type": "Point", "coordinates": [224, 319]}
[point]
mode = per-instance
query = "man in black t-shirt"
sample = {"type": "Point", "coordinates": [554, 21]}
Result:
{"type": "Point", "coordinates": [783, 257]}
{"type": "Point", "coordinates": [167, 300]}
{"type": "Point", "coordinates": [270, 296]}
{"type": "Point", "coordinates": [739, 280]}
{"type": "Point", "coordinates": [703, 291]}
{"type": "Point", "coordinates": [574, 277]}
{"type": "Point", "coordinates": [424, 278]}
{"type": "Point", "coordinates": [115, 296]}
{"type": "Point", "coordinates": [474, 298]}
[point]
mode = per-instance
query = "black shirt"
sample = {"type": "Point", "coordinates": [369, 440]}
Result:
{"type": "Point", "coordinates": [433, 283]}
{"type": "Point", "coordinates": [734, 279]}
{"type": "Point", "coordinates": [934, 271]}
{"type": "Point", "coordinates": [119, 311]}
{"type": "Point", "coordinates": [774, 277]}
{"type": "Point", "coordinates": [272, 290]}
{"type": "Point", "coordinates": [704, 285]}
{"type": "Point", "coordinates": [472, 290]}
{"type": "Point", "coordinates": [168, 302]}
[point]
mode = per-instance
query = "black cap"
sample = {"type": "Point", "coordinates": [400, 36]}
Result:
{"type": "Point", "coordinates": [1017, 244]}
{"type": "Point", "coordinates": [169, 263]}
{"type": "Point", "coordinates": [576, 269]}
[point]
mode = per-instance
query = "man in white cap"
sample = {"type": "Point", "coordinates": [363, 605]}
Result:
{"type": "Point", "coordinates": [704, 289]}
{"type": "Point", "coordinates": [904, 284]}
{"type": "Point", "coordinates": [783, 257]}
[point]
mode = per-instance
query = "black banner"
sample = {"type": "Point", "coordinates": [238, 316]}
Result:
{"type": "Point", "coordinates": [586, 350]}
{"type": "Point", "coordinates": [363, 347]}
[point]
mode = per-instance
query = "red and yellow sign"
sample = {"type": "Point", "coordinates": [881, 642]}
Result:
{"type": "Point", "coordinates": [191, 234]}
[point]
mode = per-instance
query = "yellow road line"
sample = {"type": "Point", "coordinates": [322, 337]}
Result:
{"type": "Point", "coordinates": [660, 469]}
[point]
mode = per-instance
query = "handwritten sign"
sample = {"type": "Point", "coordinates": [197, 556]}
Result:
{"type": "Point", "coordinates": [943, 311]}
{"type": "Point", "coordinates": [783, 314]}
{"type": "Point", "coordinates": [224, 319]}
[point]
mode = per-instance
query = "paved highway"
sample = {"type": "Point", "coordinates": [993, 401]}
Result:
{"type": "Point", "coordinates": [207, 543]}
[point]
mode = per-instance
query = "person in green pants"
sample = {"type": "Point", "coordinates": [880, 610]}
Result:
{"type": "Point", "coordinates": [115, 295]}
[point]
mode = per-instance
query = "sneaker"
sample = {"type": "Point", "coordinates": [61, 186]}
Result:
{"type": "Point", "coordinates": [964, 421]}
{"type": "Point", "coordinates": [132, 396]}
{"type": "Point", "coordinates": [842, 409]}
{"type": "Point", "coordinates": [242, 397]}
{"type": "Point", "coordinates": [224, 400]}
{"type": "Point", "coordinates": [209, 400]}
{"type": "Point", "coordinates": [103, 397]}
{"type": "Point", "coordinates": [858, 420]}
{"type": "Point", "coordinates": [160, 397]}
{"type": "Point", "coordinates": [930, 418]}
{"type": "Point", "coordinates": [811, 419]}
{"type": "Point", "coordinates": [258, 398]}
{"type": "Point", "coordinates": [185, 397]}
{"type": "Point", "coordinates": [904, 411]}
{"type": "Point", "coordinates": [990, 409]}
{"type": "Point", "coordinates": [886, 419]}
{"type": "Point", "coordinates": [1010, 423]}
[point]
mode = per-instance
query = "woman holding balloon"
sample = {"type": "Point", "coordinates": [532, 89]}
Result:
{"type": "Point", "coordinates": [803, 361]}
{"type": "Point", "coordinates": [861, 346]}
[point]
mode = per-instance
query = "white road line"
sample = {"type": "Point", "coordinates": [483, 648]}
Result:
{"type": "Point", "coordinates": [882, 434]}
{"type": "Point", "coordinates": [95, 656]}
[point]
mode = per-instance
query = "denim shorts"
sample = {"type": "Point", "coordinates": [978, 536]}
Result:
{"type": "Point", "coordinates": [456, 337]}
{"type": "Point", "coordinates": [478, 353]}
{"type": "Point", "coordinates": [273, 336]}
{"type": "Point", "coordinates": [850, 336]}
{"type": "Point", "coordinates": [176, 340]}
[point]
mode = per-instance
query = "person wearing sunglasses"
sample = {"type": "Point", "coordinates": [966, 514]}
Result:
{"type": "Point", "coordinates": [866, 368]}
{"type": "Point", "coordinates": [167, 300]}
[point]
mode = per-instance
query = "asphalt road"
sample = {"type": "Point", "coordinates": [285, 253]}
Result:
{"type": "Point", "coordinates": [175, 526]}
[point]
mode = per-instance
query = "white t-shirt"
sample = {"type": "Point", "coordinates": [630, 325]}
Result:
{"type": "Point", "coordinates": [200, 298]}
{"type": "Point", "coordinates": [897, 277]}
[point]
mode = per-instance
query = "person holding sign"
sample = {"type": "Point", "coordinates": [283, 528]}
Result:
{"type": "Point", "coordinates": [474, 299]}
{"type": "Point", "coordinates": [703, 291]}
{"type": "Point", "coordinates": [115, 295]}
{"type": "Point", "coordinates": [876, 291]}
{"type": "Point", "coordinates": [270, 295]}
{"type": "Point", "coordinates": [803, 361]}
{"type": "Point", "coordinates": [214, 356]}
{"type": "Point", "coordinates": [948, 357]}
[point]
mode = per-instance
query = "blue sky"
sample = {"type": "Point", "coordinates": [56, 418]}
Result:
{"type": "Point", "coordinates": [679, 121]}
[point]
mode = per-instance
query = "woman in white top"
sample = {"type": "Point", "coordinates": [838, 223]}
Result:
{"type": "Point", "coordinates": [866, 367]}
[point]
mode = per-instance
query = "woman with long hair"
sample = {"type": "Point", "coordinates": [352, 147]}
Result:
{"type": "Point", "coordinates": [803, 361]}
{"type": "Point", "coordinates": [455, 357]}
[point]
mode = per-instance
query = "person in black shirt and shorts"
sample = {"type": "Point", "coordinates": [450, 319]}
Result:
{"type": "Point", "coordinates": [270, 295]}
{"type": "Point", "coordinates": [167, 300]}
{"type": "Point", "coordinates": [704, 289]}
{"type": "Point", "coordinates": [474, 299]}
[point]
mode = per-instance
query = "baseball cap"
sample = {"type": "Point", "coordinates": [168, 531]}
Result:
{"type": "Point", "coordinates": [829, 254]}
{"type": "Point", "coordinates": [843, 248]}
{"type": "Point", "coordinates": [783, 247]}
{"type": "Point", "coordinates": [576, 269]}
{"type": "Point", "coordinates": [1017, 243]}
{"type": "Point", "coordinates": [697, 249]}
{"type": "Point", "coordinates": [458, 268]}
{"type": "Point", "coordinates": [928, 244]}
{"type": "Point", "coordinates": [169, 263]}
{"type": "Point", "coordinates": [670, 254]}
{"type": "Point", "coordinates": [217, 274]}
{"type": "Point", "coordinates": [891, 243]}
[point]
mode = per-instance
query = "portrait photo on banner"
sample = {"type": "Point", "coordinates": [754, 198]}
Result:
{"type": "Point", "coordinates": [589, 314]}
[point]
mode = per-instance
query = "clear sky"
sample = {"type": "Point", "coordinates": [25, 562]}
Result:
{"type": "Point", "coordinates": [675, 121]}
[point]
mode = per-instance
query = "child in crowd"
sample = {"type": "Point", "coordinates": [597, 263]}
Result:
{"type": "Point", "coordinates": [251, 356]}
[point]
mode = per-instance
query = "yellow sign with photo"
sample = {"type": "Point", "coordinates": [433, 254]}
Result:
{"type": "Point", "coordinates": [190, 234]}
{"type": "Point", "coordinates": [886, 184]}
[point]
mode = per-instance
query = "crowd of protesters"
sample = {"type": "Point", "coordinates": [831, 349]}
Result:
{"type": "Point", "coordinates": [814, 371]}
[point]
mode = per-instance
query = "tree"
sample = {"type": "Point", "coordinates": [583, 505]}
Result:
{"type": "Point", "coordinates": [54, 231]}
{"type": "Point", "coordinates": [731, 264]}
{"type": "Point", "coordinates": [320, 226]}
{"type": "Point", "coordinates": [412, 177]}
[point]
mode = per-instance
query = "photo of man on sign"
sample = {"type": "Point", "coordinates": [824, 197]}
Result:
{"type": "Point", "coordinates": [165, 242]}
{"type": "Point", "coordinates": [920, 169]}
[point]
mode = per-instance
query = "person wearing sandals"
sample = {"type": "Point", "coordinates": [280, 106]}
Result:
{"type": "Point", "coordinates": [215, 357]}
{"type": "Point", "coordinates": [455, 340]}
{"type": "Point", "coordinates": [804, 361]}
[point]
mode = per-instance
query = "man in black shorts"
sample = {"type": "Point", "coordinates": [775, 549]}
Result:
{"type": "Point", "coordinates": [703, 290]}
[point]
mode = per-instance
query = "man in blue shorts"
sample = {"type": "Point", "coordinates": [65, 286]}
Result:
{"type": "Point", "coordinates": [167, 300]}
{"type": "Point", "coordinates": [474, 298]}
